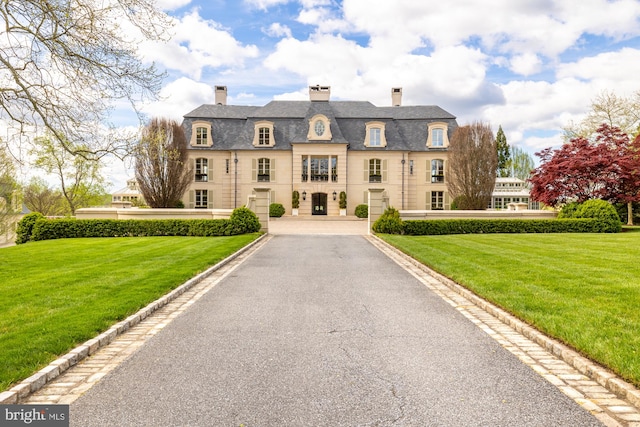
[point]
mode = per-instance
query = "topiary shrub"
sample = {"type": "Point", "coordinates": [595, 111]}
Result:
{"type": "Point", "coordinates": [25, 227]}
{"type": "Point", "coordinates": [598, 209]}
{"type": "Point", "coordinates": [343, 200]}
{"type": "Point", "coordinates": [276, 210]}
{"type": "Point", "coordinates": [362, 211]}
{"type": "Point", "coordinates": [295, 199]}
{"type": "Point", "coordinates": [389, 222]}
{"type": "Point", "coordinates": [243, 220]}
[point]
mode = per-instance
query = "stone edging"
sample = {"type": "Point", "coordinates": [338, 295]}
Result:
{"type": "Point", "coordinates": [58, 366]}
{"type": "Point", "coordinates": [585, 366]}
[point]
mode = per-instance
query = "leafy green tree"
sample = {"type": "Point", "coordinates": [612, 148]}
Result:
{"type": "Point", "coordinates": [503, 154]}
{"type": "Point", "coordinates": [81, 182]}
{"type": "Point", "coordinates": [520, 164]}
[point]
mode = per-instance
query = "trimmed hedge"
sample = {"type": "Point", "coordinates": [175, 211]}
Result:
{"type": "Point", "coordinates": [242, 221]}
{"type": "Point", "coordinates": [25, 227]}
{"type": "Point", "coordinates": [478, 226]}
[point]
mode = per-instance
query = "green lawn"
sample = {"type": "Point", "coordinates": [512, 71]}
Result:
{"type": "Point", "coordinates": [56, 294]}
{"type": "Point", "coordinates": [583, 289]}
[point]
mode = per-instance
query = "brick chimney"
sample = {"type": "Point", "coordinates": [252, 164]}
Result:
{"type": "Point", "coordinates": [319, 93]}
{"type": "Point", "coordinates": [396, 96]}
{"type": "Point", "coordinates": [221, 95]}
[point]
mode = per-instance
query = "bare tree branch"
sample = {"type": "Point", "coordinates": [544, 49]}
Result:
{"type": "Point", "coordinates": [162, 170]}
{"type": "Point", "coordinates": [472, 164]}
{"type": "Point", "coordinates": [64, 63]}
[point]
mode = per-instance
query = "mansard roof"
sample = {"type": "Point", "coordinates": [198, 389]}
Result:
{"type": "Point", "coordinates": [233, 126]}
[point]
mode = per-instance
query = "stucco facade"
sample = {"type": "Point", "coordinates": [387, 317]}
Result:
{"type": "Point", "coordinates": [318, 147]}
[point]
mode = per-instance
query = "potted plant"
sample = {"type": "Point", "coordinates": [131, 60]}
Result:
{"type": "Point", "coordinates": [343, 203]}
{"type": "Point", "coordinates": [295, 202]}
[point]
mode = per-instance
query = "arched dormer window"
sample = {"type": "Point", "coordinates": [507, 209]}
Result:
{"type": "Point", "coordinates": [201, 134]}
{"type": "Point", "coordinates": [374, 135]}
{"type": "Point", "coordinates": [319, 128]}
{"type": "Point", "coordinates": [437, 135]}
{"type": "Point", "coordinates": [263, 135]}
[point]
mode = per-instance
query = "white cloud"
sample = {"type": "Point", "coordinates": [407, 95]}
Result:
{"type": "Point", "coordinates": [265, 4]}
{"type": "Point", "coordinates": [171, 4]}
{"type": "Point", "coordinates": [179, 98]}
{"type": "Point", "coordinates": [617, 71]}
{"type": "Point", "coordinates": [198, 43]}
{"type": "Point", "coordinates": [278, 30]}
{"type": "Point", "coordinates": [526, 64]}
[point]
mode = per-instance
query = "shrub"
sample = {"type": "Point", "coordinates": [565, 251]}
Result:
{"type": "Point", "coordinates": [568, 210]}
{"type": "Point", "coordinates": [598, 209]}
{"type": "Point", "coordinates": [295, 199]}
{"type": "Point", "coordinates": [343, 200]}
{"type": "Point", "coordinates": [362, 211]}
{"type": "Point", "coordinates": [276, 210]}
{"type": "Point", "coordinates": [389, 222]}
{"type": "Point", "coordinates": [480, 226]}
{"type": "Point", "coordinates": [25, 227]}
{"type": "Point", "coordinates": [243, 220]}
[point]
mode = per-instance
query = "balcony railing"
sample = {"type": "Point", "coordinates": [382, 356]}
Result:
{"type": "Point", "coordinates": [437, 178]}
{"type": "Point", "coordinates": [323, 177]}
{"type": "Point", "coordinates": [264, 177]}
{"type": "Point", "coordinates": [375, 178]}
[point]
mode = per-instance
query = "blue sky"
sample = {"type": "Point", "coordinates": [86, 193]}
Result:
{"type": "Point", "coordinates": [530, 66]}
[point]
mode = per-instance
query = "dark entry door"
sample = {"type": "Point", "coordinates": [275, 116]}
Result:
{"type": "Point", "coordinates": [319, 203]}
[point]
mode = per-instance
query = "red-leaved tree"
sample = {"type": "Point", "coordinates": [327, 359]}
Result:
{"type": "Point", "coordinates": [607, 168]}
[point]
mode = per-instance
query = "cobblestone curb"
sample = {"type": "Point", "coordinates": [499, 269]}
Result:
{"type": "Point", "coordinates": [595, 372]}
{"type": "Point", "coordinates": [47, 374]}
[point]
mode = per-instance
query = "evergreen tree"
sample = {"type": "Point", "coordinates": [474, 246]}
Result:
{"type": "Point", "coordinates": [503, 154]}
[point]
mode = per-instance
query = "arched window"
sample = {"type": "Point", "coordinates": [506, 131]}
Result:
{"type": "Point", "coordinates": [437, 171]}
{"type": "Point", "coordinates": [263, 135]}
{"type": "Point", "coordinates": [374, 135]}
{"type": "Point", "coordinates": [201, 134]}
{"type": "Point", "coordinates": [437, 135]}
{"type": "Point", "coordinates": [202, 170]}
{"type": "Point", "coordinates": [376, 170]}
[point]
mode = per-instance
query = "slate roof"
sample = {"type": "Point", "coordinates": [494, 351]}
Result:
{"type": "Point", "coordinates": [232, 126]}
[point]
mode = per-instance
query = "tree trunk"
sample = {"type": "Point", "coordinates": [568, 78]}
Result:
{"type": "Point", "coordinates": [629, 213]}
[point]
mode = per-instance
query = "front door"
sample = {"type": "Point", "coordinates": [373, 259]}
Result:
{"type": "Point", "coordinates": [319, 203]}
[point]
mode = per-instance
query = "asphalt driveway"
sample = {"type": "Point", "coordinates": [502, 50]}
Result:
{"type": "Point", "coordinates": [323, 331]}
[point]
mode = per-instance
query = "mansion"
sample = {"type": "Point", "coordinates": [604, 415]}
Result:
{"type": "Point", "coordinates": [320, 148]}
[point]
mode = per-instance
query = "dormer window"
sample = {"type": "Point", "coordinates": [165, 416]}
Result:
{"type": "Point", "coordinates": [437, 137]}
{"type": "Point", "coordinates": [319, 128]}
{"type": "Point", "coordinates": [263, 135]}
{"type": "Point", "coordinates": [374, 135]}
{"type": "Point", "coordinates": [201, 134]}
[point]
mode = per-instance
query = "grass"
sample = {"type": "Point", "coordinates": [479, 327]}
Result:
{"type": "Point", "coordinates": [57, 294]}
{"type": "Point", "coordinates": [583, 289]}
